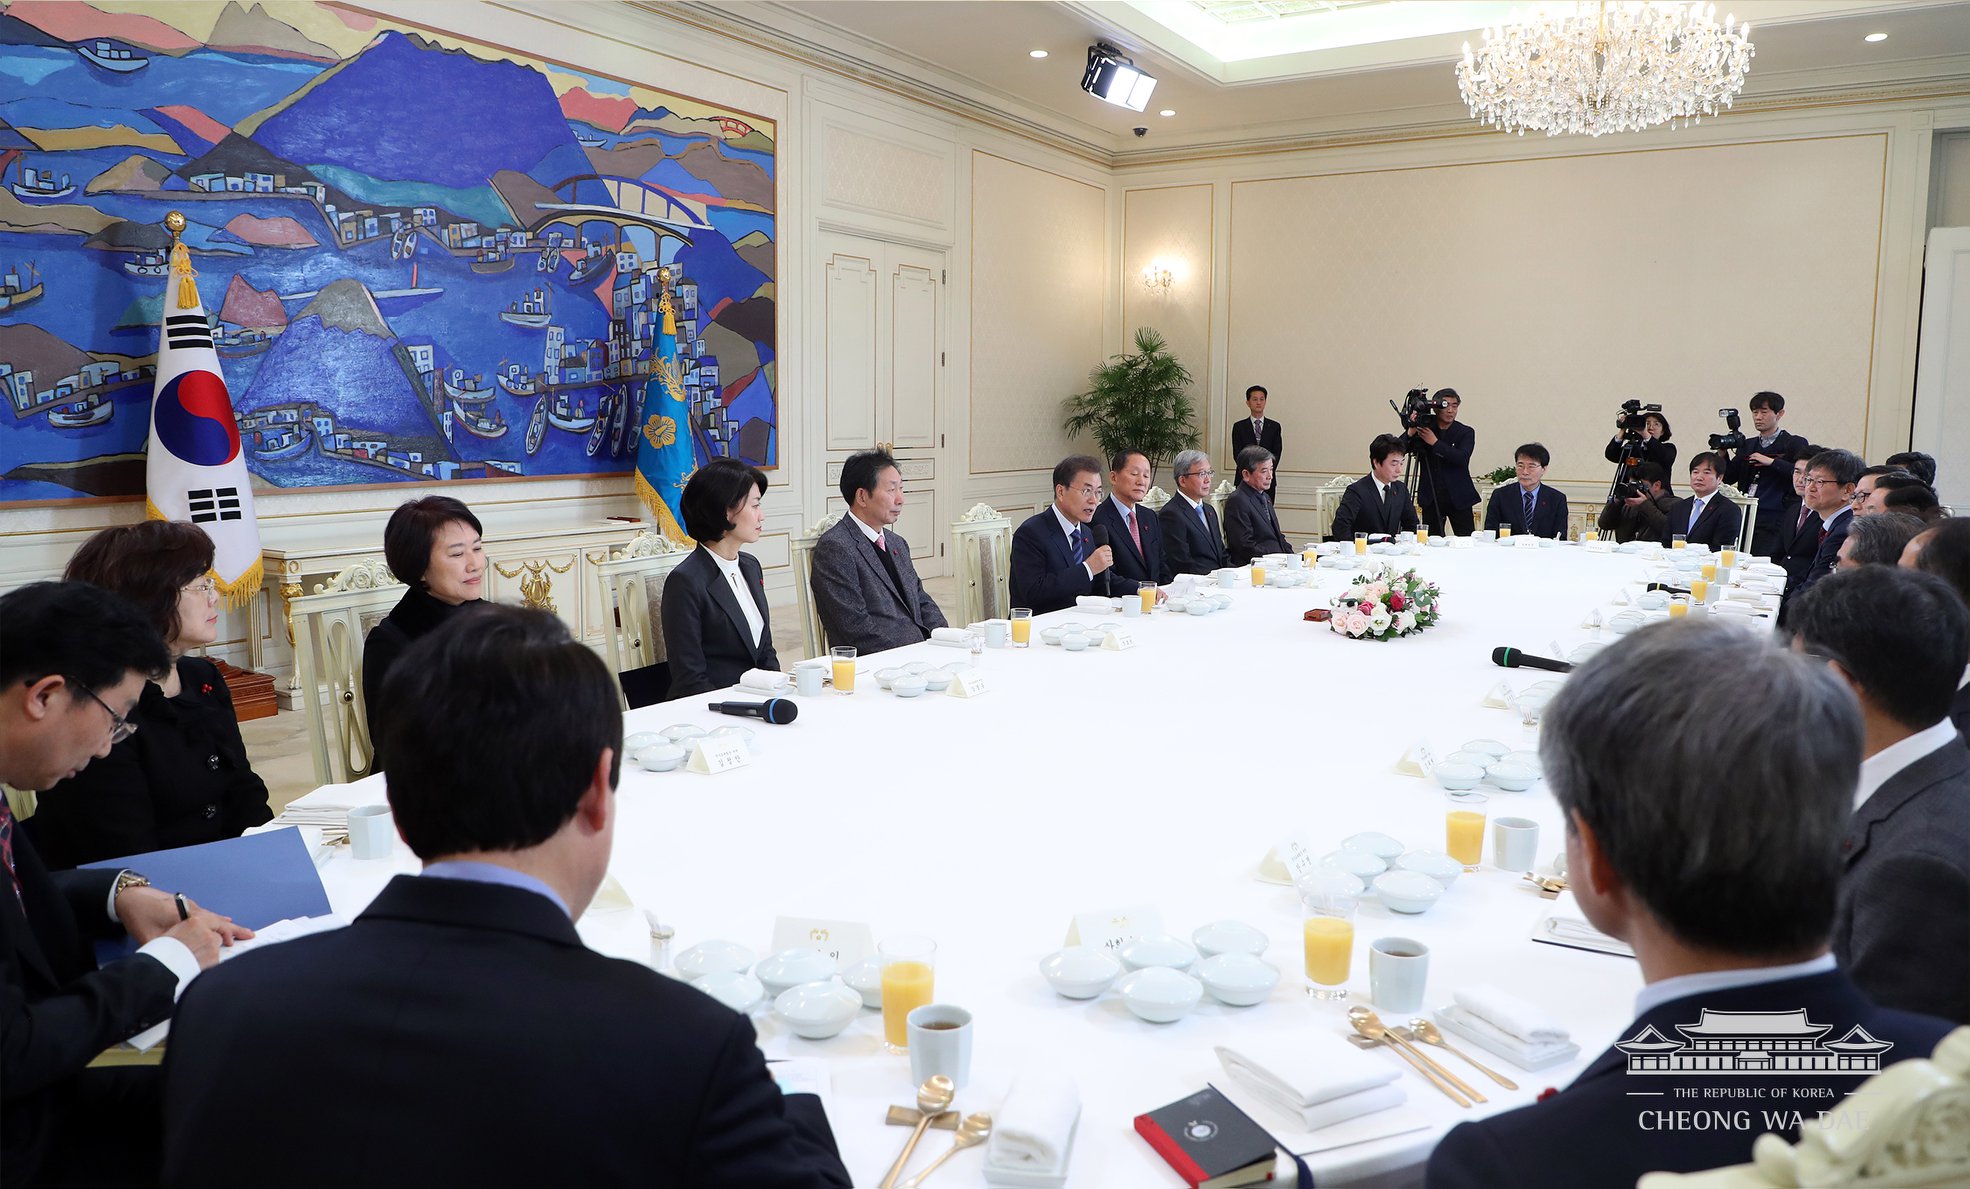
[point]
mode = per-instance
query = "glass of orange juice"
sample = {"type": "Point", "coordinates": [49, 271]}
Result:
{"type": "Point", "coordinates": [1148, 592]}
{"type": "Point", "coordinates": [1022, 626]}
{"type": "Point", "coordinates": [1699, 591]}
{"type": "Point", "coordinates": [844, 668]}
{"type": "Point", "coordinates": [1258, 575]}
{"type": "Point", "coordinates": [1709, 571]}
{"type": "Point", "coordinates": [1463, 828]}
{"type": "Point", "coordinates": [1504, 531]}
{"type": "Point", "coordinates": [1361, 542]}
{"type": "Point", "coordinates": [909, 974]}
{"type": "Point", "coordinates": [1679, 541]}
{"type": "Point", "coordinates": [1727, 558]}
{"type": "Point", "coordinates": [1422, 534]}
{"type": "Point", "coordinates": [1327, 905]}
{"type": "Point", "coordinates": [1678, 607]}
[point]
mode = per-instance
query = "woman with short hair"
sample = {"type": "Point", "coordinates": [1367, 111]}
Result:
{"type": "Point", "coordinates": [434, 546]}
{"type": "Point", "coordinates": [1655, 447]}
{"type": "Point", "coordinates": [714, 604]}
{"type": "Point", "coordinates": [177, 773]}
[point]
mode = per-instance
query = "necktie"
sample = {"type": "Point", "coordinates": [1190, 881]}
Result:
{"type": "Point", "coordinates": [1696, 514]}
{"type": "Point", "coordinates": [881, 543]}
{"type": "Point", "coordinates": [1258, 428]}
{"type": "Point", "coordinates": [1134, 533]}
{"type": "Point", "coordinates": [7, 846]}
{"type": "Point", "coordinates": [1531, 501]}
{"type": "Point", "coordinates": [1804, 512]}
{"type": "Point", "coordinates": [1081, 549]}
{"type": "Point", "coordinates": [1203, 519]}
{"type": "Point", "coordinates": [1822, 539]}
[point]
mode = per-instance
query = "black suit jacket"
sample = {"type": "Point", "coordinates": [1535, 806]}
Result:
{"type": "Point", "coordinates": [57, 1009]}
{"type": "Point", "coordinates": [414, 615]}
{"type": "Point", "coordinates": [1594, 1134]}
{"type": "Point", "coordinates": [1718, 527]}
{"type": "Point", "coordinates": [1771, 486]}
{"type": "Point", "coordinates": [1044, 575]}
{"type": "Point", "coordinates": [1136, 567]}
{"type": "Point", "coordinates": [1903, 926]}
{"type": "Point", "coordinates": [1251, 527]}
{"type": "Point", "coordinates": [706, 638]}
{"type": "Point", "coordinates": [1794, 543]}
{"type": "Point", "coordinates": [858, 602]}
{"type": "Point", "coordinates": [1191, 546]}
{"type": "Point", "coordinates": [1447, 467]}
{"type": "Point", "coordinates": [1826, 554]}
{"type": "Point", "coordinates": [1363, 510]}
{"type": "Point", "coordinates": [1241, 437]}
{"type": "Point", "coordinates": [459, 1033]}
{"type": "Point", "coordinates": [1508, 507]}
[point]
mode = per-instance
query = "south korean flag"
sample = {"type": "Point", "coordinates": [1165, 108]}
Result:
{"type": "Point", "coordinates": [194, 468]}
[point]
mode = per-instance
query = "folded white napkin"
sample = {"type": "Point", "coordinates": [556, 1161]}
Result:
{"type": "Point", "coordinates": [766, 681]}
{"type": "Point", "coordinates": [1308, 1074]}
{"type": "Point", "coordinates": [1096, 602]}
{"type": "Point", "coordinates": [1034, 1128]}
{"type": "Point", "coordinates": [1514, 1016]}
{"type": "Point", "coordinates": [949, 636]}
{"type": "Point", "coordinates": [1488, 1036]}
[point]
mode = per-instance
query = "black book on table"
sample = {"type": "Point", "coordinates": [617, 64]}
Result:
{"type": "Point", "coordinates": [1209, 1142]}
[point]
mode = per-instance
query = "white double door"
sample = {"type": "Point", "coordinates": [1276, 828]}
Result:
{"type": "Point", "coordinates": [883, 365]}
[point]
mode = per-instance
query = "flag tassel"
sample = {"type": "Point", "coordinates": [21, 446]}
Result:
{"type": "Point", "coordinates": [181, 268]}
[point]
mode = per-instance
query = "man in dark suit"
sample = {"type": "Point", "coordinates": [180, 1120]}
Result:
{"type": "Point", "coordinates": [1758, 467]}
{"type": "Point", "coordinates": [1445, 488]}
{"type": "Point", "coordinates": [1943, 549]}
{"type": "Point", "coordinates": [458, 1032]}
{"type": "Point", "coordinates": [1796, 539]}
{"type": "Point", "coordinates": [1257, 430]}
{"type": "Point", "coordinates": [1193, 542]}
{"type": "Point", "coordinates": [1707, 517]}
{"type": "Point", "coordinates": [73, 660]}
{"type": "Point", "coordinates": [1830, 478]}
{"type": "Point", "coordinates": [1133, 530]}
{"type": "Point", "coordinates": [1647, 846]}
{"type": "Point", "coordinates": [1054, 556]}
{"type": "Point", "coordinates": [1530, 508]}
{"type": "Point", "coordinates": [865, 587]}
{"type": "Point", "coordinates": [1898, 638]}
{"type": "Point", "coordinates": [1378, 502]}
{"type": "Point", "coordinates": [1251, 527]}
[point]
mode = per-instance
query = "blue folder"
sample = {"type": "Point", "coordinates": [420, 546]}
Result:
{"type": "Point", "coordinates": [255, 879]}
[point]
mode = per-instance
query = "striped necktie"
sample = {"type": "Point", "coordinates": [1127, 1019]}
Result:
{"type": "Point", "coordinates": [1531, 501]}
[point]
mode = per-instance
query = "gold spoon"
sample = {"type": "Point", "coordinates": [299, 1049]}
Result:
{"type": "Point", "coordinates": [1363, 1042]}
{"type": "Point", "coordinates": [1404, 1036]}
{"type": "Point", "coordinates": [1369, 1024]}
{"type": "Point", "coordinates": [1427, 1032]}
{"type": "Point", "coordinates": [932, 1098]}
{"type": "Point", "coordinates": [975, 1130]}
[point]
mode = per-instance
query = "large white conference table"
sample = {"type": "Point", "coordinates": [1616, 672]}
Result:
{"type": "Point", "coordinates": [1156, 777]}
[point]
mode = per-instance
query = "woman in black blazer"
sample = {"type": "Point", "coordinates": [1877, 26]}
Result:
{"type": "Point", "coordinates": [711, 637]}
{"type": "Point", "coordinates": [433, 544]}
{"type": "Point", "coordinates": [181, 776]}
{"type": "Point", "coordinates": [1655, 447]}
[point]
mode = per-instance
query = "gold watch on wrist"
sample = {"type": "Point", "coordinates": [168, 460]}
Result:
{"type": "Point", "coordinates": [125, 880]}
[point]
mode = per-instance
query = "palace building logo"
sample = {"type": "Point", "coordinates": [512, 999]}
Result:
{"type": "Point", "coordinates": [1751, 1042]}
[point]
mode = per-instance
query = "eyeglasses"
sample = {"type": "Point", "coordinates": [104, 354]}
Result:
{"type": "Point", "coordinates": [1087, 492]}
{"type": "Point", "coordinates": [1821, 483]}
{"type": "Point", "coordinates": [204, 588]}
{"type": "Point", "coordinates": [120, 728]}
{"type": "Point", "coordinates": [1191, 474]}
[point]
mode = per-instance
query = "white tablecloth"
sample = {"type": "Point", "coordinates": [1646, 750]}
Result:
{"type": "Point", "coordinates": [1157, 776]}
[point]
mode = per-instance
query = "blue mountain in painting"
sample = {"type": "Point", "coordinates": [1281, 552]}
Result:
{"type": "Point", "coordinates": [339, 355]}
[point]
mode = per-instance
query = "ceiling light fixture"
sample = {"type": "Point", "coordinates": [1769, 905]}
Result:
{"type": "Point", "coordinates": [1036, 53]}
{"type": "Point", "coordinates": [1113, 78]}
{"type": "Point", "coordinates": [1875, 37]}
{"type": "Point", "coordinates": [1167, 112]}
{"type": "Point", "coordinates": [1606, 68]}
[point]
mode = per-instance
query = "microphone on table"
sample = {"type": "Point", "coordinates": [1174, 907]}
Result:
{"type": "Point", "coordinates": [1512, 658]}
{"type": "Point", "coordinates": [774, 710]}
{"type": "Point", "coordinates": [1665, 588]}
{"type": "Point", "coordinates": [1099, 534]}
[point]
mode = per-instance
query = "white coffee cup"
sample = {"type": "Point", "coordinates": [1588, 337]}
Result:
{"type": "Point", "coordinates": [372, 832]}
{"type": "Point", "coordinates": [995, 633]}
{"type": "Point", "coordinates": [940, 1042]}
{"type": "Point", "coordinates": [1514, 843]}
{"type": "Point", "coordinates": [1131, 608]}
{"type": "Point", "coordinates": [1397, 969]}
{"type": "Point", "coordinates": [807, 679]}
{"type": "Point", "coordinates": [1227, 577]}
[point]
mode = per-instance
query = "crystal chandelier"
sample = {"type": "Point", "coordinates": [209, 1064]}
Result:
{"type": "Point", "coordinates": [1606, 68]}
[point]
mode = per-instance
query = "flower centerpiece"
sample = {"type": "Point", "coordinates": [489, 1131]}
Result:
{"type": "Point", "coordinates": [1384, 604]}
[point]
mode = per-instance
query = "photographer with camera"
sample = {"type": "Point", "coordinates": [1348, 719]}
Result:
{"type": "Point", "coordinates": [1642, 435]}
{"type": "Point", "coordinates": [1756, 465]}
{"type": "Point", "coordinates": [1446, 444]}
{"type": "Point", "coordinates": [1640, 506]}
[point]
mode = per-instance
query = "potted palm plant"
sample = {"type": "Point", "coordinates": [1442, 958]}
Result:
{"type": "Point", "coordinates": [1137, 402]}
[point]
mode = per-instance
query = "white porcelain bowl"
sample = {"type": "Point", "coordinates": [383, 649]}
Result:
{"type": "Point", "coordinates": [1075, 641]}
{"type": "Point", "coordinates": [710, 957]}
{"type": "Point", "coordinates": [918, 668]}
{"type": "Point", "coordinates": [1160, 995]}
{"type": "Point", "coordinates": [734, 731]}
{"type": "Point", "coordinates": [1177, 604]}
{"type": "Point", "coordinates": [1490, 747]}
{"type": "Point", "coordinates": [1433, 863]}
{"type": "Point", "coordinates": [1228, 937]}
{"type": "Point", "coordinates": [1482, 761]}
{"type": "Point", "coordinates": [740, 992]}
{"type": "Point", "coordinates": [865, 979]}
{"type": "Point", "coordinates": [1201, 606]}
{"type": "Point", "coordinates": [792, 967]}
{"type": "Point", "coordinates": [1457, 777]}
{"type": "Point", "coordinates": [1651, 600]}
{"type": "Point", "coordinates": [1623, 622]}
{"type": "Point", "coordinates": [683, 732]}
{"type": "Point", "coordinates": [1513, 778]}
{"type": "Point", "coordinates": [1081, 971]}
{"type": "Point", "coordinates": [911, 686]}
{"type": "Point", "coordinates": [886, 678]}
{"type": "Point", "coordinates": [637, 741]}
{"type": "Point", "coordinates": [937, 681]}
{"type": "Point", "coordinates": [818, 1010]}
{"type": "Point", "coordinates": [1529, 759]}
{"type": "Point", "coordinates": [1240, 980]}
{"type": "Point", "coordinates": [1157, 949]}
{"type": "Point", "coordinates": [1375, 843]}
{"type": "Point", "coordinates": [1583, 653]}
{"type": "Point", "coordinates": [1407, 891]}
{"type": "Point", "coordinates": [1337, 881]}
{"type": "Point", "coordinates": [1050, 635]}
{"type": "Point", "coordinates": [661, 756]}
{"type": "Point", "coordinates": [1358, 863]}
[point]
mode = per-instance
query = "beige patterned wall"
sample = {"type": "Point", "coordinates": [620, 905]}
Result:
{"type": "Point", "coordinates": [1548, 290]}
{"type": "Point", "coordinates": [1039, 276]}
{"type": "Point", "coordinates": [1171, 226]}
{"type": "Point", "coordinates": [869, 174]}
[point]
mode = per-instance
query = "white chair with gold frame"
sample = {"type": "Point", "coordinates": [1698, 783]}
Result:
{"type": "Point", "coordinates": [1747, 510]}
{"type": "Point", "coordinates": [811, 628]}
{"type": "Point", "coordinates": [1155, 500]}
{"type": "Point", "coordinates": [330, 626]}
{"type": "Point", "coordinates": [1326, 502]}
{"type": "Point", "coordinates": [982, 541]}
{"type": "Point", "coordinates": [632, 600]}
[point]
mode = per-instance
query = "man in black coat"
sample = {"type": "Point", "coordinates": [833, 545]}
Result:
{"type": "Point", "coordinates": [865, 586]}
{"type": "Point", "coordinates": [1796, 538]}
{"type": "Point", "coordinates": [1251, 527]}
{"type": "Point", "coordinates": [1446, 489]}
{"type": "Point", "coordinates": [1903, 927]}
{"type": "Point", "coordinates": [1193, 541]}
{"type": "Point", "coordinates": [1707, 517]}
{"type": "Point", "coordinates": [1134, 531]}
{"type": "Point", "coordinates": [1378, 502]}
{"type": "Point", "coordinates": [458, 1032]}
{"type": "Point", "coordinates": [73, 659]}
{"type": "Point", "coordinates": [1257, 430]}
{"type": "Point", "coordinates": [1830, 479]}
{"type": "Point", "coordinates": [1529, 508]}
{"type": "Point", "coordinates": [1054, 556]}
{"type": "Point", "coordinates": [1758, 466]}
{"type": "Point", "coordinates": [1648, 846]}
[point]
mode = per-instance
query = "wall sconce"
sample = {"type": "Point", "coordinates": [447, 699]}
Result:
{"type": "Point", "coordinates": [1158, 277]}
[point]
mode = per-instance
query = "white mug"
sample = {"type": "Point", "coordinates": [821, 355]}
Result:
{"type": "Point", "coordinates": [1131, 607]}
{"type": "Point", "coordinates": [1514, 843]}
{"type": "Point", "coordinates": [372, 832]}
{"type": "Point", "coordinates": [807, 679]}
{"type": "Point", "coordinates": [940, 1042]}
{"type": "Point", "coordinates": [1397, 969]}
{"type": "Point", "coordinates": [1227, 577]}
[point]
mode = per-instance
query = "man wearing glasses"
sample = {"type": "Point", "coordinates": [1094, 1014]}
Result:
{"type": "Point", "coordinates": [73, 660]}
{"type": "Point", "coordinates": [1193, 542]}
{"type": "Point", "coordinates": [1054, 557]}
{"type": "Point", "coordinates": [1830, 479]}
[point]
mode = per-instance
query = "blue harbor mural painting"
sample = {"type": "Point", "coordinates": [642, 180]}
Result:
{"type": "Point", "coordinates": [427, 259]}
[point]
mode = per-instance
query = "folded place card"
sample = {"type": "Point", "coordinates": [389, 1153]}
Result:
{"type": "Point", "coordinates": [1118, 640]}
{"type": "Point", "coordinates": [1296, 854]}
{"type": "Point", "coordinates": [1499, 697]}
{"type": "Point", "coordinates": [1113, 928]}
{"type": "Point", "coordinates": [1419, 760]}
{"type": "Point", "coordinates": [847, 942]}
{"type": "Point", "coordinates": [712, 756]}
{"type": "Point", "coordinates": [968, 684]}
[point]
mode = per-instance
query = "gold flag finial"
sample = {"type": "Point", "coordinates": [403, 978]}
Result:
{"type": "Point", "coordinates": [181, 262]}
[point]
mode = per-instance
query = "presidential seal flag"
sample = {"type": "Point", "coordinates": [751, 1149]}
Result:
{"type": "Point", "coordinates": [194, 469]}
{"type": "Point", "coordinates": [665, 457]}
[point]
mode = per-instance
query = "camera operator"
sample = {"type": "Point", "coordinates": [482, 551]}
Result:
{"type": "Point", "coordinates": [1640, 506]}
{"type": "Point", "coordinates": [1642, 433]}
{"type": "Point", "coordinates": [1756, 468]}
{"type": "Point", "coordinates": [1445, 487]}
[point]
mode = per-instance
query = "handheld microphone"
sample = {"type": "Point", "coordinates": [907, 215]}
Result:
{"type": "Point", "coordinates": [777, 711]}
{"type": "Point", "coordinates": [1099, 534]}
{"type": "Point", "coordinates": [1665, 588]}
{"type": "Point", "coordinates": [1512, 658]}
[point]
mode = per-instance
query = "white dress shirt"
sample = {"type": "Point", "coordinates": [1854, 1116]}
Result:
{"type": "Point", "coordinates": [1656, 994]}
{"type": "Point", "coordinates": [1877, 768]}
{"type": "Point", "coordinates": [873, 534]}
{"type": "Point", "coordinates": [737, 581]}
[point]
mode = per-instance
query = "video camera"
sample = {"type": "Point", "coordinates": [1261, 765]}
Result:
{"type": "Point", "coordinates": [1416, 409]}
{"type": "Point", "coordinates": [1731, 440]}
{"type": "Point", "coordinates": [1633, 418]}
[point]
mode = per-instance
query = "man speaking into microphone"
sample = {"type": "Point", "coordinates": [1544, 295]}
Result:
{"type": "Point", "coordinates": [1055, 558]}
